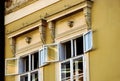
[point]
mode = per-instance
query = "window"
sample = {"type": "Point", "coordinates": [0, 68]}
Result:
{"type": "Point", "coordinates": [29, 67]}
{"type": "Point", "coordinates": [72, 57]}
{"type": "Point", "coordinates": [72, 69]}
{"type": "Point", "coordinates": [72, 48]}
{"type": "Point", "coordinates": [26, 66]}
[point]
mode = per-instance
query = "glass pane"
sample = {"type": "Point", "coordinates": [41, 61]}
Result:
{"type": "Point", "coordinates": [78, 69]}
{"type": "Point", "coordinates": [88, 41]}
{"type": "Point", "coordinates": [11, 66]}
{"type": "Point", "coordinates": [79, 45]}
{"type": "Point", "coordinates": [52, 53]}
{"type": "Point", "coordinates": [34, 76]}
{"type": "Point", "coordinates": [25, 63]}
{"type": "Point", "coordinates": [42, 57]}
{"type": "Point", "coordinates": [34, 61]}
{"type": "Point", "coordinates": [24, 78]}
{"type": "Point", "coordinates": [65, 71]}
{"type": "Point", "coordinates": [68, 49]}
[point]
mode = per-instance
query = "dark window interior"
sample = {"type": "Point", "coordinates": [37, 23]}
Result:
{"type": "Point", "coordinates": [65, 70]}
{"type": "Point", "coordinates": [34, 60]}
{"type": "Point", "coordinates": [79, 45]}
{"type": "Point", "coordinates": [34, 76]}
{"type": "Point", "coordinates": [68, 49]}
{"type": "Point", "coordinates": [25, 64]}
{"type": "Point", "coordinates": [24, 78]}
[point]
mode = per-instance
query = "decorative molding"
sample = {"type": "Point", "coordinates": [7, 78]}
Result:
{"type": "Point", "coordinates": [22, 30]}
{"type": "Point", "coordinates": [79, 6]}
{"type": "Point", "coordinates": [51, 26]}
{"type": "Point", "coordinates": [29, 48]}
{"type": "Point", "coordinates": [12, 45]}
{"type": "Point", "coordinates": [76, 31]}
{"type": "Point", "coordinates": [42, 29]}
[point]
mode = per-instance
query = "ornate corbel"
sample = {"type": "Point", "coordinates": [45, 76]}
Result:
{"type": "Point", "coordinates": [12, 45]}
{"type": "Point", "coordinates": [42, 29]}
{"type": "Point", "coordinates": [87, 14]}
{"type": "Point", "coordinates": [51, 26]}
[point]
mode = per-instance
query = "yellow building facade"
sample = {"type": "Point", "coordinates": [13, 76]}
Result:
{"type": "Point", "coordinates": [62, 40]}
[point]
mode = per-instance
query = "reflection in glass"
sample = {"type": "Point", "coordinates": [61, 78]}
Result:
{"type": "Point", "coordinates": [34, 76]}
{"type": "Point", "coordinates": [65, 71]}
{"type": "Point", "coordinates": [78, 69]}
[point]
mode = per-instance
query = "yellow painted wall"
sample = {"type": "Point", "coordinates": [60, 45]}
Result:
{"type": "Point", "coordinates": [9, 78]}
{"type": "Point", "coordinates": [49, 72]}
{"type": "Point", "coordinates": [105, 59]}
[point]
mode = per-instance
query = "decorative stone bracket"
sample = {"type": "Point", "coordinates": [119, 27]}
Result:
{"type": "Point", "coordinates": [12, 45]}
{"type": "Point", "coordinates": [87, 14]}
{"type": "Point", "coordinates": [51, 26]}
{"type": "Point", "coordinates": [42, 29]}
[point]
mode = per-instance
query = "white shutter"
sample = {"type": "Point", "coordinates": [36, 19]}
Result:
{"type": "Point", "coordinates": [61, 52]}
{"type": "Point", "coordinates": [52, 52]}
{"type": "Point", "coordinates": [42, 57]}
{"type": "Point", "coordinates": [11, 66]}
{"type": "Point", "coordinates": [20, 65]}
{"type": "Point", "coordinates": [87, 39]}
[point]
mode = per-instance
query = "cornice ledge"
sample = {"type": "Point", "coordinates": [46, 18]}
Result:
{"type": "Point", "coordinates": [68, 10]}
{"type": "Point", "coordinates": [21, 30]}
{"type": "Point", "coordinates": [28, 48]}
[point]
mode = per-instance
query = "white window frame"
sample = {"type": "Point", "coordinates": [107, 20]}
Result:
{"type": "Point", "coordinates": [29, 73]}
{"type": "Point", "coordinates": [71, 67]}
{"type": "Point", "coordinates": [17, 69]}
{"type": "Point", "coordinates": [87, 41]}
{"type": "Point", "coordinates": [42, 62]}
{"type": "Point", "coordinates": [46, 52]}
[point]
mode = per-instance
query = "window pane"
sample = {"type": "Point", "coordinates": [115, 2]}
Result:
{"type": "Point", "coordinates": [42, 57]}
{"type": "Point", "coordinates": [25, 64]}
{"type": "Point", "coordinates": [52, 53]}
{"type": "Point", "coordinates": [65, 71]}
{"type": "Point", "coordinates": [68, 49]}
{"type": "Point", "coordinates": [11, 66]}
{"type": "Point", "coordinates": [78, 69]}
{"type": "Point", "coordinates": [24, 78]}
{"type": "Point", "coordinates": [79, 45]}
{"type": "Point", "coordinates": [34, 61]}
{"type": "Point", "coordinates": [34, 76]}
{"type": "Point", "coordinates": [88, 41]}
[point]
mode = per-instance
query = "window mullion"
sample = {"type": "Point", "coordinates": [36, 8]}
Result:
{"type": "Point", "coordinates": [31, 60]}
{"type": "Point", "coordinates": [29, 76]}
{"type": "Point", "coordinates": [71, 69]}
{"type": "Point", "coordinates": [39, 55]}
{"type": "Point", "coordinates": [75, 48]}
{"type": "Point", "coordinates": [84, 68]}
